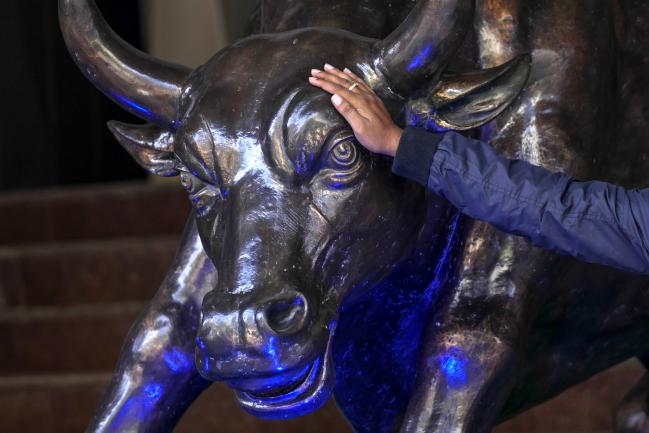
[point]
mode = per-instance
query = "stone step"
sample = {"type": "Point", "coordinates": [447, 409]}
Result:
{"type": "Point", "coordinates": [65, 403]}
{"type": "Point", "coordinates": [64, 339]}
{"type": "Point", "coordinates": [56, 404]}
{"type": "Point", "coordinates": [92, 212]}
{"type": "Point", "coordinates": [84, 272]}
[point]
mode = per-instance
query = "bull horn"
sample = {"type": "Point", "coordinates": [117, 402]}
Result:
{"type": "Point", "coordinates": [421, 47]}
{"type": "Point", "coordinates": [147, 87]}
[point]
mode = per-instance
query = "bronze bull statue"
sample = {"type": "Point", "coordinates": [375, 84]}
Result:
{"type": "Point", "coordinates": [308, 268]}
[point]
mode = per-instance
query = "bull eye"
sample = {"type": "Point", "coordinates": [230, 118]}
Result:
{"type": "Point", "coordinates": [345, 154]}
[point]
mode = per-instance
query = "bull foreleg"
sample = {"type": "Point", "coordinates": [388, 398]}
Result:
{"type": "Point", "coordinates": [469, 358]}
{"type": "Point", "coordinates": [462, 386]}
{"type": "Point", "coordinates": [472, 362]}
{"type": "Point", "coordinates": [156, 380]}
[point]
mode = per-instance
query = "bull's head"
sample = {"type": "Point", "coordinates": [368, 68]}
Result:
{"type": "Point", "coordinates": [293, 213]}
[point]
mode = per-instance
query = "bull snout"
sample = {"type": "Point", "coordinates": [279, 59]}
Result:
{"type": "Point", "coordinates": [265, 318]}
{"type": "Point", "coordinates": [256, 339]}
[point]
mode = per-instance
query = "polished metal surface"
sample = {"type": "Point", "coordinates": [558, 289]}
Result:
{"type": "Point", "coordinates": [419, 49]}
{"type": "Point", "coordinates": [333, 274]}
{"type": "Point", "coordinates": [147, 87]}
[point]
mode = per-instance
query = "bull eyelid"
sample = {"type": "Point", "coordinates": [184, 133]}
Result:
{"type": "Point", "coordinates": [184, 167]}
{"type": "Point", "coordinates": [197, 190]}
{"type": "Point", "coordinates": [334, 145]}
{"type": "Point", "coordinates": [338, 177]}
{"type": "Point", "coordinates": [334, 138]}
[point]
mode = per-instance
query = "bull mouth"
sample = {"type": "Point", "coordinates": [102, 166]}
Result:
{"type": "Point", "coordinates": [306, 393]}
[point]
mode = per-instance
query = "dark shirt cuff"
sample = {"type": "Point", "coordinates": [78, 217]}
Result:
{"type": "Point", "coordinates": [415, 154]}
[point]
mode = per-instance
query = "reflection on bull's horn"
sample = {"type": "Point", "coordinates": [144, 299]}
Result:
{"type": "Point", "coordinates": [461, 102]}
{"type": "Point", "coordinates": [141, 84]}
{"type": "Point", "coordinates": [419, 49]}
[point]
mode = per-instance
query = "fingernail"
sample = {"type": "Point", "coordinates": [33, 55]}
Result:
{"type": "Point", "coordinates": [315, 71]}
{"type": "Point", "coordinates": [313, 79]}
{"type": "Point", "coordinates": [328, 67]}
{"type": "Point", "coordinates": [348, 71]}
{"type": "Point", "coordinates": [336, 99]}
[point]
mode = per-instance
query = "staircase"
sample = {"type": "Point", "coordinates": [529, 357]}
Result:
{"type": "Point", "coordinates": [77, 265]}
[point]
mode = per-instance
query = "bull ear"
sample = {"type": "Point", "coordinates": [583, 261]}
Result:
{"type": "Point", "coordinates": [466, 101]}
{"type": "Point", "coordinates": [151, 146]}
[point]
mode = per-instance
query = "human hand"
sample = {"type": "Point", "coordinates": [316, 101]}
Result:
{"type": "Point", "coordinates": [361, 107]}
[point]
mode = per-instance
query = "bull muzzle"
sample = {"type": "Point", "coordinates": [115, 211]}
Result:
{"type": "Point", "coordinates": [259, 338]}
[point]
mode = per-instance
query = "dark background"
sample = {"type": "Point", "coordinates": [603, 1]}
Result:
{"type": "Point", "coordinates": [53, 121]}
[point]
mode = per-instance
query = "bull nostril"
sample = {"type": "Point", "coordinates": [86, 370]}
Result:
{"type": "Point", "coordinates": [288, 315]}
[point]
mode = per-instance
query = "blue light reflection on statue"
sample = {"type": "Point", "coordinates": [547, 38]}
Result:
{"type": "Point", "coordinates": [424, 120]}
{"type": "Point", "coordinates": [422, 58]}
{"type": "Point", "coordinates": [152, 392]}
{"type": "Point", "coordinates": [272, 352]}
{"type": "Point", "coordinates": [377, 341]}
{"type": "Point", "coordinates": [453, 365]}
{"type": "Point", "coordinates": [177, 360]}
{"type": "Point", "coordinates": [138, 407]}
{"type": "Point", "coordinates": [140, 109]}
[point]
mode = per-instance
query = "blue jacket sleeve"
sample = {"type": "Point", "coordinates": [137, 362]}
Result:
{"type": "Point", "coordinates": [594, 221]}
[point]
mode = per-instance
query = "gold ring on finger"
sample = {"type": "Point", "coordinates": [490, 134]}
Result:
{"type": "Point", "coordinates": [353, 86]}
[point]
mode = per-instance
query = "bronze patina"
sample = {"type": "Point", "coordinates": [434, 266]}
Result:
{"type": "Point", "coordinates": [307, 268]}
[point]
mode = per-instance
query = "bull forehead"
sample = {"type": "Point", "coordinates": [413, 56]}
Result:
{"type": "Point", "coordinates": [251, 108]}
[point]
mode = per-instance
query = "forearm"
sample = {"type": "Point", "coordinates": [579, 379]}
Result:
{"type": "Point", "coordinates": [593, 221]}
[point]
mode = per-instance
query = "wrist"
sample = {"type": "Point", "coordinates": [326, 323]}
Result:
{"type": "Point", "coordinates": [394, 138]}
